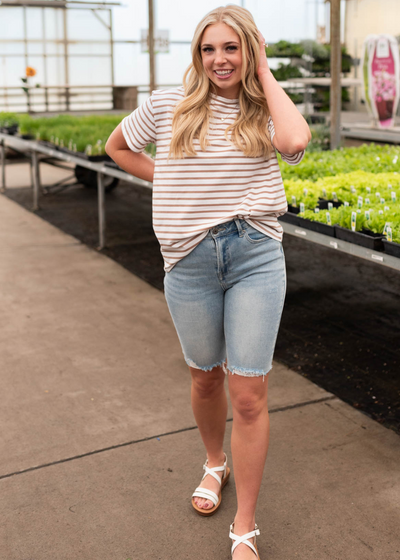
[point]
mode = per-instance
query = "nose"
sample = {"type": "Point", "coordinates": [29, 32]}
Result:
{"type": "Point", "coordinates": [220, 57]}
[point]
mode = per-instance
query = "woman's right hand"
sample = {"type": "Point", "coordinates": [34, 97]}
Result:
{"type": "Point", "coordinates": [138, 164]}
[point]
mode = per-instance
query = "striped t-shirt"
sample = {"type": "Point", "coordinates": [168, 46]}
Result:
{"type": "Point", "coordinates": [195, 193]}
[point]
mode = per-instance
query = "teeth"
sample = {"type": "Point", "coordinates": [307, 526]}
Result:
{"type": "Point", "coordinates": [223, 72]}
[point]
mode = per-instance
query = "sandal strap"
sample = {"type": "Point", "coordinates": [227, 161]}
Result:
{"type": "Point", "coordinates": [207, 494]}
{"type": "Point", "coordinates": [212, 471]}
{"type": "Point", "coordinates": [243, 539]}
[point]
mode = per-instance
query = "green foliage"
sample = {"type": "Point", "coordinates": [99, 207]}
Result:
{"type": "Point", "coordinates": [285, 72]}
{"type": "Point", "coordinates": [321, 138]}
{"type": "Point", "coordinates": [93, 130]}
{"type": "Point", "coordinates": [71, 131]}
{"type": "Point", "coordinates": [320, 54]}
{"type": "Point", "coordinates": [8, 119]}
{"type": "Point", "coordinates": [372, 158]}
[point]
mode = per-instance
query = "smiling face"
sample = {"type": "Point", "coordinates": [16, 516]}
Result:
{"type": "Point", "coordinates": [221, 55]}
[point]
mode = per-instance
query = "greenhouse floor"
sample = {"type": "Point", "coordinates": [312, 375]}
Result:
{"type": "Point", "coordinates": [341, 321]}
{"type": "Point", "coordinates": [99, 451]}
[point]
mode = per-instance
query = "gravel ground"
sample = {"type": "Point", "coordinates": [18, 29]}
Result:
{"type": "Point", "coordinates": [341, 322]}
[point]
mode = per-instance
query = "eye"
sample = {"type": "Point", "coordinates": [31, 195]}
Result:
{"type": "Point", "coordinates": [206, 49]}
{"type": "Point", "coordinates": [233, 47]}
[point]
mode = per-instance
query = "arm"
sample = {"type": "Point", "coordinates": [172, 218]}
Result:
{"type": "Point", "coordinates": [292, 133]}
{"type": "Point", "coordinates": [138, 164]}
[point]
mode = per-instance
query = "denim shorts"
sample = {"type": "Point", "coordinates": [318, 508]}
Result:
{"type": "Point", "coordinates": [226, 299]}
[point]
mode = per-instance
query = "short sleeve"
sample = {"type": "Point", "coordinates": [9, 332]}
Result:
{"type": "Point", "coordinates": [292, 159]}
{"type": "Point", "coordinates": [139, 128]}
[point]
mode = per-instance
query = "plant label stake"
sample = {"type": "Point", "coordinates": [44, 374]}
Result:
{"type": "Point", "coordinates": [352, 188]}
{"type": "Point", "coordinates": [367, 201]}
{"type": "Point", "coordinates": [367, 215]}
{"type": "Point", "coordinates": [316, 210]}
{"type": "Point", "coordinates": [389, 233]}
{"type": "Point", "coordinates": [360, 202]}
{"type": "Point", "coordinates": [293, 200]}
{"type": "Point", "coordinates": [328, 218]}
{"type": "Point", "coordinates": [382, 200]}
{"type": "Point", "coordinates": [393, 195]}
{"type": "Point", "coordinates": [334, 196]}
{"type": "Point", "coordinates": [368, 189]}
{"type": "Point", "coordinates": [301, 207]}
{"type": "Point", "coordinates": [346, 203]}
{"type": "Point", "coordinates": [386, 208]}
{"type": "Point", "coordinates": [387, 226]}
{"type": "Point", "coordinates": [380, 212]}
{"type": "Point", "coordinates": [353, 220]}
{"type": "Point", "coordinates": [378, 195]}
{"type": "Point", "coordinates": [324, 193]}
{"type": "Point", "coordinates": [305, 191]}
{"type": "Point", "coordinates": [330, 205]}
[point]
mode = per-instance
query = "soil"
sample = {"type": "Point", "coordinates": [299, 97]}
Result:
{"type": "Point", "coordinates": [340, 326]}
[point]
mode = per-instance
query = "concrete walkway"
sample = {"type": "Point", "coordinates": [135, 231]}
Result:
{"type": "Point", "coordinates": [99, 452]}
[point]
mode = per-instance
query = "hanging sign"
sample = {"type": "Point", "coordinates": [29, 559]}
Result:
{"type": "Point", "coordinates": [380, 63]}
{"type": "Point", "coordinates": [161, 41]}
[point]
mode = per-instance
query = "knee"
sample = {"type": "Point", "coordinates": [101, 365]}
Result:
{"type": "Point", "coordinates": [207, 384]}
{"type": "Point", "coordinates": [248, 407]}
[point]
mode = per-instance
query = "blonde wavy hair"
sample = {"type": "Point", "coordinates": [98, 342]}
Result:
{"type": "Point", "coordinates": [191, 118]}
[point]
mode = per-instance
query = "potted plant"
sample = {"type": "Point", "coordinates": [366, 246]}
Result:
{"type": "Point", "coordinates": [356, 230]}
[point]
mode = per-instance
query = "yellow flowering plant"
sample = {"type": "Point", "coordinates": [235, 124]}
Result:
{"type": "Point", "coordinates": [29, 73]}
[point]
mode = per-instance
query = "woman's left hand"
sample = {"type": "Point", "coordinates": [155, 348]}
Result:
{"type": "Point", "coordinates": [263, 67]}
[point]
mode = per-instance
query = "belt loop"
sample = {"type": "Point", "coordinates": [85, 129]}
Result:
{"type": "Point", "coordinates": [239, 226]}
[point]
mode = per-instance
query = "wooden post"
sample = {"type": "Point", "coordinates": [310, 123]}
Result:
{"type": "Point", "coordinates": [151, 47]}
{"type": "Point", "coordinates": [336, 67]}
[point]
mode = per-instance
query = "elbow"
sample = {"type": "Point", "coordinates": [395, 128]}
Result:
{"type": "Point", "coordinates": [300, 145]}
{"type": "Point", "coordinates": [107, 148]}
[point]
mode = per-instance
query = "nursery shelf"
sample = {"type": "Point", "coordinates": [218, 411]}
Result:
{"type": "Point", "coordinates": [33, 148]}
{"type": "Point", "coordinates": [340, 245]}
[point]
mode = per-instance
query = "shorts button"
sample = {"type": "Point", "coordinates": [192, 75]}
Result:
{"type": "Point", "coordinates": [215, 230]}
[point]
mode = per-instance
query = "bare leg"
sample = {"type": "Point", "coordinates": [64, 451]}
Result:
{"type": "Point", "coordinates": [250, 438]}
{"type": "Point", "coordinates": [209, 404]}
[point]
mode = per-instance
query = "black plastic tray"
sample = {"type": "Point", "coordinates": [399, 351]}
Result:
{"type": "Point", "coordinates": [318, 227]}
{"type": "Point", "coordinates": [391, 248]}
{"type": "Point", "coordinates": [323, 203]}
{"type": "Point", "coordinates": [290, 218]}
{"type": "Point", "coordinates": [371, 240]}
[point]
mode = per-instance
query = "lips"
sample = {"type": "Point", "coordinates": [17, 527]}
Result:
{"type": "Point", "coordinates": [224, 76]}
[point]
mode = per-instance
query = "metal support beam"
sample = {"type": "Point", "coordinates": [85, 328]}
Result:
{"type": "Point", "coordinates": [151, 47]}
{"type": "Point", "coordinates": [336, 67]}
{"type": "Point", "coordinates": [36, 180]}
{"type": "Point", "coordinates": [3, 166]}
{"type": "Point", "coordinates": [102, 210]}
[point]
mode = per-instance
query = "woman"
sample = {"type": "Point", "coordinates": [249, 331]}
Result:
{"type": "Point", "coordinates": [217, 195]}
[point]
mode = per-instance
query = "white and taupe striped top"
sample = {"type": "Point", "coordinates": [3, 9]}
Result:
{"type": "Point", "coordinates": [193, 194]}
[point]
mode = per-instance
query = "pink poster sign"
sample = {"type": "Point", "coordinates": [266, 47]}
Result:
{"type": "Point", "coordinates": [381, 75]}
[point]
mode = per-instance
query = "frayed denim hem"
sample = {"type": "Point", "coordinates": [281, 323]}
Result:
{"type": "Point", "coordinates": [245, 372]}
{"type": "Point", "coordinates": [192, 364]}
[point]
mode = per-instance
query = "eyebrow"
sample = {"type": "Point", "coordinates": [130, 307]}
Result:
{"type": "Point", "coordinates": [228, 43]}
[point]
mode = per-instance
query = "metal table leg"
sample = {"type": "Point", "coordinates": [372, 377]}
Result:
{"type": "Point", "coordinates": [101, 207]}
{"type": "Point", "coordinates": [3, 166]}
{"type": "Point", "coordinates": [36, 180]}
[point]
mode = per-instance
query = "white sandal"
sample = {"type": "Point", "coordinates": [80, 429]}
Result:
{"type": "Point", "coordinates": [209, 494]}
{"type": "Point", "coordinates": [244, 539]}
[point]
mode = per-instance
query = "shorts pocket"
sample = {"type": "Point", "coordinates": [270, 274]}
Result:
{"type": "Point", "coordinates": [255, 236]}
